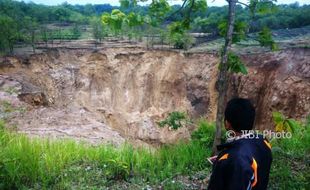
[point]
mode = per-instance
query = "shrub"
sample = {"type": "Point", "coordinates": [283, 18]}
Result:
{"type": "Point", "coordinates": [265, 39]}
{"type": "Point", "coordinates": [204, 133]}
{"type": "Point", "coordinates": [290, 166]}
{"type": "Point", "coordinates": [175, 120]}
{"type": "Point", "coordinates": [179, 36]}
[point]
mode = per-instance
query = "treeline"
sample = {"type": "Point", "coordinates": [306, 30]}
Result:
{"type": "Point", "coordinates": [29, 22]}
{"type": "Point", "coordinates": [281, 16]}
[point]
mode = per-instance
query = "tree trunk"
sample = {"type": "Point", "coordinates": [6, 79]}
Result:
{"type": "Point", "coordinates": [33, 41]}
{"type": "Point", "coordinates": [222, 78]}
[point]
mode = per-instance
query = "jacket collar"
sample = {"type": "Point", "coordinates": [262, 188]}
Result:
{"type": "Point", "coordinates": [233, 141]}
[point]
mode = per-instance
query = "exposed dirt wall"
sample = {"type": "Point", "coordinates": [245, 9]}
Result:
{"type": "Point", "coordinates": [119, 94]}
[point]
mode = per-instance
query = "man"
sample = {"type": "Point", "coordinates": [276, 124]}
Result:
{"type": "Point", "coordinates": [244, 161]}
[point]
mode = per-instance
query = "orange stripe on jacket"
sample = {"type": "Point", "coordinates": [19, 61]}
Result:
{"type": "Point", "coordinates": [224, 157]}
{"type": "Point", "coordinates": [267, 144]}
{"type": "Point", "coordinates": [254, 167]}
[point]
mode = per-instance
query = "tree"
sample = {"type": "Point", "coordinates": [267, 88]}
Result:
{"type": "Point", "coordinates": [30, 27]}
{"type": "Point", "coordinates": [62, 14]}
{"type": "Point", "coordinates": [265, 38]}
{"type": "Point", "coordinates": [134, 20]}
{"type": "Point", "coordinates": [44, 34]}
{"type": "Point", "coordinates": [9, 33]}
{"type": "Point", "coordinates": [225, 64]}
{"type": "Point", "coordinates": [223, 74]}
{"type": "Point", "coordinates": [179, 36]}
{"type": "Point", "coordinates": [97, 29]}
{"type": "Point", "coordinates": [114, 20]}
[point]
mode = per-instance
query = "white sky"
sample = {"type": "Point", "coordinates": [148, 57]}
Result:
{"type": "Point", "coordinates": [116, 2]}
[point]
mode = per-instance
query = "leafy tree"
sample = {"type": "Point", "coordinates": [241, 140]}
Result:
{"type": "Point", "coordinates": [158, 10]}
{"type": "Point", "coordinates": [226, 61]}
{"type": "Point", "coordinates": [134, 21]}
{"type": "Point", "coordinates": [30, 27]}
{"type": "Point", "coordinates": [179, 35]}
{"type": "Point", "coordinates": [44, 34]}
{"type": "Point", "coordinates": [127, 3]}
{"type": "Point", "coordinates": [97, 29]}
{"type": "Point", "coordinates": [9, 33]}
{"type": "Point", "coordinates": [240, 29]}
{"type": "Point", "coordinates": [62, 14]}
{"type": "Point", "coordinates": [114, 20]}
{"type": "Point", "coordinates": [76, 31]}
{"type": "Point", "coordinates": [265, 38]}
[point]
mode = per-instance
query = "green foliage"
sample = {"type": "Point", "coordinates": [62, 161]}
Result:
{"type": "Point", "coordinates": [240, 29]}
{"type": "Point", "coordinates": [9, 33]}
{"type": "Point", "coordinates": [158, 10]}
{"type": "Point", "coordinates": [199, 6]}
{"type": "Point", "coordinates": [114, 20]}
{"type": "Point", "coordinates": [290, 166]}
{"type": "Point", "coordinates": [284, 124]}
{"type": "Point", "coordinates": [76, 31]}
{"type": "Point", "coordinates": [235, 64]}
{"type": "Point", "coordinates": [174, 120]}
{"type": "Point", "coordinates": [204, 133]}
{"type": "Point", "coordinates": [178, 35]}
{"type": "Point", "coordinates": [44, 34]}
{"type": "Point", "coordinates": [2, 124]}
{"type": "Point", "coordinates": [134, 19]}
{"type": "Point", "coordinates": [128, 3]}
{"type": "Point", "coordinates": [116, 170]}
{"type": "Point", "coordinates": [97, 28]}
{"type": "Point", "coordinates": [71, 33]}
{"type": "Point", "coordinates": [263, 7]}
{"type": "Point", "coordinates": [30, 27]}
{"type": "Point", "coordinates": [43, 164]}
{"type": "Point", "coordinates": [265, 39]}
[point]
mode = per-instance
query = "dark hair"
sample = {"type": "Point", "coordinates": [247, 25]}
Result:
{"type": "Point", "coordinates": [240, 113]}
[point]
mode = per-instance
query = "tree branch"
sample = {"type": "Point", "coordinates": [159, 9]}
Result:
{"type": "Point", "coordinates": [177, 11]}
{"type": "Point", "coordinates": [243, 3]}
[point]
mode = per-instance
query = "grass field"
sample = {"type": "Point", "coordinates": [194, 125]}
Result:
{"type": "Point", "coordinates": [43, 164]}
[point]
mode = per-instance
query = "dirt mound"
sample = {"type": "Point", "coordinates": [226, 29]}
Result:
{"type": "Point", "coordinates": [118, 94]}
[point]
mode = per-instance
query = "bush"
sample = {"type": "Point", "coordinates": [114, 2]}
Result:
{"type": "Point", "coordinates": [291, 156]}
{"type": "Point", "coordinates": [179, 36]}
{"type": "Point", "coordinates": [175, 120]}
{"type": "Point", "coordinates": [265, 39]}
{"type": "Point", "coordinates": [182, 40]}
{"type": "Point", "coordinates": [204, 133]}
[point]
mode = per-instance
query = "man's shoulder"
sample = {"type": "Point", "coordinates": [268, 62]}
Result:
{"type": "Point", "coordinates": [235, 155]}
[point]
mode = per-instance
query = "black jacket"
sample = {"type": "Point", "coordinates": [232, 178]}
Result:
{"type": "Point", "coordinates": [242, 164]}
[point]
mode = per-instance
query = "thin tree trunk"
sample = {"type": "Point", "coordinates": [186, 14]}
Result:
{"type": "Point", "coordinates": [222, 78]}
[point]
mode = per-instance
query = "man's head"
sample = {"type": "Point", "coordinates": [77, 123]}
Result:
{"type": "Point", "coordinates": [239, 115]}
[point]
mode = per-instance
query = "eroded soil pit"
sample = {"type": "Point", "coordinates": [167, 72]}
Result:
{"type": "Point", "coordinates": [118, 94]}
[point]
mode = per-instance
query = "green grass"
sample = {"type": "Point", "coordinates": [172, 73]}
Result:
{"type": "Point", "coordinates": [43, 164]}
{"type": "Point", "coordinates": [291, 166]}
{"type": "Point", "coordinates": [63, 164]}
